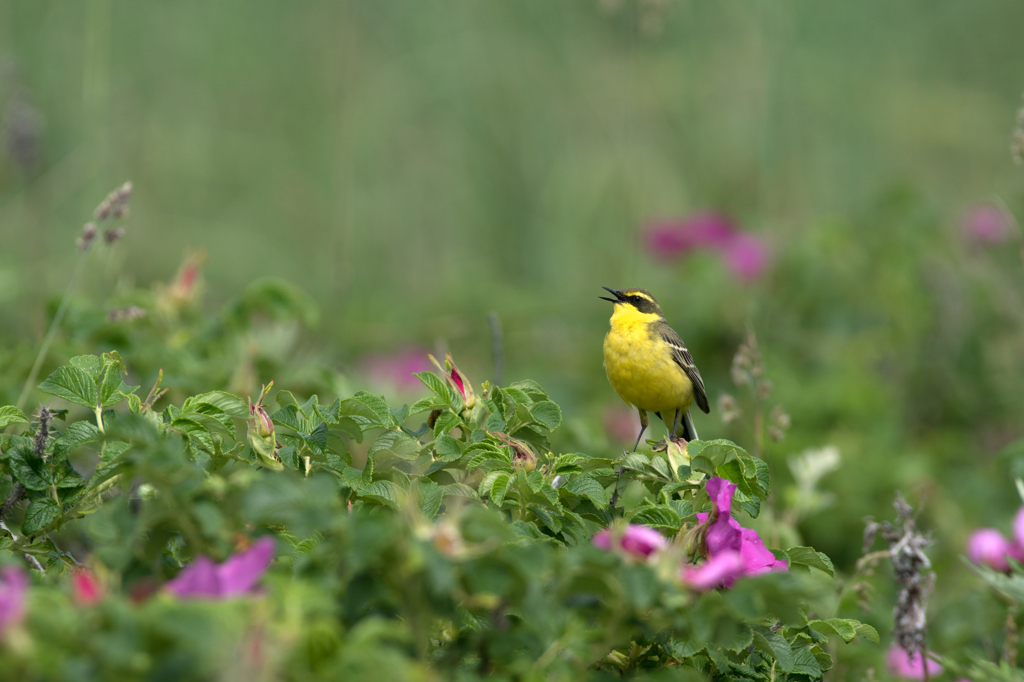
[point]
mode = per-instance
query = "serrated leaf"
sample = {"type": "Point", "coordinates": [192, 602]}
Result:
{"type": "Point", "coordinates": [72, 384]}
{"type": "Point", "coordinates": [195, 432]}
{"type": "Point", "coordinates": [380, 491]}
{"type": "Point", "coordinates": [29, 470]}
{"type": "Point", "coordinates": [66, 476]}
{"type": "Point", "coordinates": [447, 448]}
{"type": "Point", "coordinates": [530, 388]}
{"type": "Point", "coordinates": [661, 466]}
{"type": "Point", "coordinates": [438, 386]}
{"type": "Point", "coordinates": [445, 423]}
{"type": "Point", "coordinates": [378, 405]}
{"type": "Point", "coordinates": [867, 632]}
{"type": "Point", "coordinates": [92, 365]}
{"type": "Point", "coordinates": [545, 517]}
{"type": "Point", "coordinates": [804, 663]}
{"type": "Point", "coordinates": [807, 556]}
{"type": "Point", "coordinates": [776, 646]}
{"type": "Point", "coordinates": [350, 407]}
{"type": "Point", "coordinates": [845, 628]}
{"type": "Point", "coordinates": [9, 414]}
{"type": "Point", "coordinates": [431, 496]}
{"type": "Point", "coordinates": [399, 443]}
{"type": "Point", "coordinates": [459, 490]}
{"type": "Point", "coordinates": [547, 414]}
{"type": "Point", "coordinates": [584, 486]}
{"type": "Point", "coordinates": [499, 488]}
{"type": "Point", "coordinates": [231, 405]}
{"type": "Point", "coordinates": [77, 433]}
{"type": "Point", "coordinates": [431, 402]}
{"type": "Point", "coordinates": [635, 462]}
{"type": "Point", "coordinates": [660, 516]}
{"type": "Point", "coordinates": [41, 512]}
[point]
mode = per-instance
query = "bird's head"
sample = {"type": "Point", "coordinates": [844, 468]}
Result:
{"type": "Point", "coordinates": [639, 299]}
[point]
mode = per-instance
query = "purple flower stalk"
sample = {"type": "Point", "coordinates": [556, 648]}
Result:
{"type": "Point", "coordinates": [637, 541]}
{"type": "Point", "coordinates": [13, 591]}
{"type": "Point", "coordinates": [238, 575]}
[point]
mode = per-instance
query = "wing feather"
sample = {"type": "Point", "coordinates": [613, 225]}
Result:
{"type": "Point", "coordinates": [683, 358]}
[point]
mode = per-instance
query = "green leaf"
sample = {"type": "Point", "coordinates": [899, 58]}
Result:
{"type": "Point", "coordinates": [499, 488]}
{"type": "Point", "coordinates": [776, 646]}
{"type": "Point", "coordinates": [41, 512]}
{"type": "Point", "coordinates": [9, 414]}
{"type": "Point", "coordinates": [229, 404]}
{"type": "Point", "coordinates": [92, 365]}
{"type": "Point", "coordinates": [112, 389]}
{"type": "Point", "coordinates": [378, 405]}
{"type": "Point", "coordinates": [72, 384]}
{"type": "Point", "coordinates": [431, 496]}
{"type": "Point", "coordinates": [807, 556]}
{"type": "Point", "coordinates": [438, 386]}
{"type": "Point", "coordinates": [867, 632]}
{"type": "Point", "coordinates": [634, 462]}
{"type": "Point", "coordinates": [584, 486]}
{"type": "Point", "coordinates": [382, 492]}
{"type": "Point", "coordinates": [845, 628]}
{"type": "Point", "coordinates": [398, 443]}
{"type": "Point", "coordinates": [195, 432]}
{"type": "Point", "coordinates": [804, 663]}
{"type": "Point", "coordinates": [530, 388]}
{"type": "Point", "coordinates": [445, 423]}
{"type": "Point", "coordinates": [660, 516]}
{"type": "Point", "coordinates": [361, 412]}
{"type": "Point", "coordinates": [447, 448]}
{"type": "Point", "coordinates": [547, 414]}
{"type": "Point", "coordinates": [77, 433]}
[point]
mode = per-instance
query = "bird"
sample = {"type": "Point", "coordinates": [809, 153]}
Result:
{"type": "Point", "coordinates": [649, 366]}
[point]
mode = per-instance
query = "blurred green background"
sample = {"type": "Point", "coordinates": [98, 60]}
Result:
{"type": "Point", "coordinates": [415, 165]}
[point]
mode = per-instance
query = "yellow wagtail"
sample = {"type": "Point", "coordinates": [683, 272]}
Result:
{"type": "Point", "coordinates": [648, 364]}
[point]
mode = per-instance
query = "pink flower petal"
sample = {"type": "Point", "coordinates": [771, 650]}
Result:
{"type": "Point", "coordinates": [602, 539]}
{"type": "Point", "coordinates": [198, 579]}
{"type": "Point", "coordinates": [909, 667]}
{"type": "Point", "coordinates": [242, 571]}
{"type": "Point", "coordinates": [642, 541]}
{"type": "Point", "coordinates": [13, 592]}
{"type": "Point", "coordinates": [756, 557]}
{"type": "Point", "coordinates": [85, 588]}
{"type": "Point", "coordinates": [720, 571]}
{"type": "Point", "coordinates": [988, 546]}
{"type": "Point", "coordinates": [668, 239]}
{"type": "Point", "coordinates": [986, 224]}
{"type": "Point", "coordinates": [746, 256]}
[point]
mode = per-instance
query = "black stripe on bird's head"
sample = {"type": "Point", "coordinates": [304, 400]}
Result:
{"type": "Point", "coordinates": [640, 299]}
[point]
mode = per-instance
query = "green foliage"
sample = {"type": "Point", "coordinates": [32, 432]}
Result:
{"type": "Point", "coordinates": [460, 545]}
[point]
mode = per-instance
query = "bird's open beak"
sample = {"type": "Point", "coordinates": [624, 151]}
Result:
{"type": "Point", "coordinates": [617, 295]}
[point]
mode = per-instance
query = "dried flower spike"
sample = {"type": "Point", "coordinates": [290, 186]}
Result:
{"type": "Point", "coordinates": [88, 235]}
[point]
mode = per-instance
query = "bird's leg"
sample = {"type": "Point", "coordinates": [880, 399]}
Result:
{"type": "Point", "coordinates": [643, 427]}
{"type": "Point", "coordinates": [675, 424]}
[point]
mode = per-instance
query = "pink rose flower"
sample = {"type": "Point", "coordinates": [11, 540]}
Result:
{"type": "Point", "coordinates": [236, 576]}
{"type": "Point", "coordinates": [988, 546]}
{"type": "Point", "coordinates": [638, 541]}
{"type": "Point", "coordinates": [13, 592]}
{"type": "Point", "coordinates": [902, 664]}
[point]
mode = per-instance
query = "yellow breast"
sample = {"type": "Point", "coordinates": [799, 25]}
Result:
{"type": "Point", "coordinates": [640, 365]}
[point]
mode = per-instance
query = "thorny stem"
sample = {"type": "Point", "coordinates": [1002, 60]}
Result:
{"type": "Point", "coordinates": [54, 325]}
{"type": "Point", "coordinates": [1012, 635]}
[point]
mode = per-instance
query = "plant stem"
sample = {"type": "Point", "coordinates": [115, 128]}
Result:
{"type": "Point", "coordinates": [54, 325]}
{"type": "Point", "coordinates": [1010, 628]}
